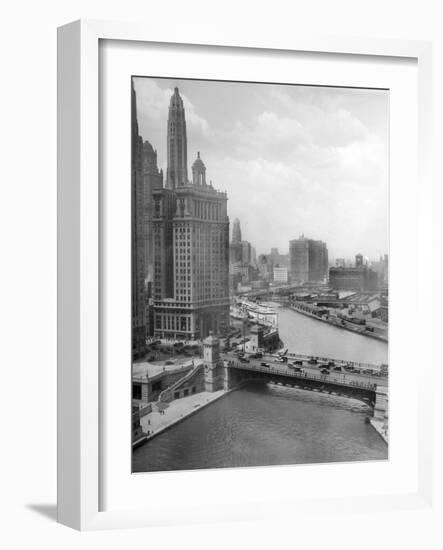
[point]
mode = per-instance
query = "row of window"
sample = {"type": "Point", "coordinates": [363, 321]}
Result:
{"type": "Point", "coordinates": [167, 321]}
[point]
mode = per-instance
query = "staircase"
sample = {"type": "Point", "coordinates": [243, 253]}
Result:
{"type": "Point", "coordinates": [167, 394]}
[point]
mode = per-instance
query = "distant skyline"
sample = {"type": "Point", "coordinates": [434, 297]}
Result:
{"type": "Point", "coordinates": [292, 159]}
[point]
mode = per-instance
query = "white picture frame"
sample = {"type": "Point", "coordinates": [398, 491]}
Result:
{"type": "Point", "coordinates": [79, 259]}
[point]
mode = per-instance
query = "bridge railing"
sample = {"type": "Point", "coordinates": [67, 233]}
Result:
{"type": "Point", "coordinates": [304, 376]}
{"type": "Point", "coordinates": [166, 394]}
{"type": "Point", "coordinates": [338, 361]}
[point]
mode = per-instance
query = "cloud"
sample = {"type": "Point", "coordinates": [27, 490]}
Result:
{"type": "Point", "coordinates": [292, 159]}
{"type": "Point", "coordinates": [153, 104]}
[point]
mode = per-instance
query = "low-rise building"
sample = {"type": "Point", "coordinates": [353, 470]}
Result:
{"type": "Point", "coordinates": [280, 274]}
{"type": "Point", "coordinates": [353, 278]}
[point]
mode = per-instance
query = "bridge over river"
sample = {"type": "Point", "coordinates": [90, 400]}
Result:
{"type": "Point", "coordinates": [309, 377]}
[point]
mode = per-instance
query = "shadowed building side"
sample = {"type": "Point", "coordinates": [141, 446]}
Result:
{"type": "Point", "coordinates": [152, 179]}
{"type": "Point", "coordinates": [138, 241]}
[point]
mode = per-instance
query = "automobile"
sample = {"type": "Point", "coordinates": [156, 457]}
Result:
{"type": "Point", "coordinates": [337, 368]}
{"type": "Point", "coordinates": [169, 362]}
{"type": "Point", "coordinates": [331, 364]}
{"type": "Point", "coordinates": [243, 360]}
{"type": "Point", "coordinates": [297, 362]}
{"type": "Point", "coordinates": [312, 361]}
{"type": "Point", "coordinates": [296, 369]}
{"type": "Point", "coordinates": [264, 364]}
{"type": "Point", "coordinates": [324, 371]}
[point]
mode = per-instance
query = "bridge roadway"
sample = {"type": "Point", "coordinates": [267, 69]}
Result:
{"type": "Point", "coordinates": [310, 372]}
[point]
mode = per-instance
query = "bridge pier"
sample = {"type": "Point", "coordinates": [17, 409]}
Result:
{"type": "Point", "coordinates": [380, 420]}
{"type": "Point", "coordinates": [381, 404]}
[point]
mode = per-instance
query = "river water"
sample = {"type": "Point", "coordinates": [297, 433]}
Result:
{"type": "Point", "coordinates": [305, 335]}
{"type": "Point", "coordinates": [269, 425]}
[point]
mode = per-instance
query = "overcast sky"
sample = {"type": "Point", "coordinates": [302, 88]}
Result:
{"type": "Point", "coordinates": [293, 159]}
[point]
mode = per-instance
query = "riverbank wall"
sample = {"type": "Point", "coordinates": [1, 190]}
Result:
{"type": "Point", "coordinates": [373, 335]}
{"type": "Point", "coordinates": [380, 428]}
{"type": "Point", "coordinates": [160, 420]}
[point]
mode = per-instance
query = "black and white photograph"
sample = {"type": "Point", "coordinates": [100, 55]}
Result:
{"type": "Point", "coordinates": [222, 261]}
{"type": "Point", "coordinates": [260, 274]}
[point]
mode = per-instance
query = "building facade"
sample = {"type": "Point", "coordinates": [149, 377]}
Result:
{"type": "Point", "coordinates": [246, 253]}
{"type": "Point", "coordinates": [265, 267]}
{"type": "Point", "coordinates": [353, 278]}
{"type": "Point", "coordinates": [308, 260]}
{"type": "Point", "coordinates": [280, 274]}
{"type": "Point", "coordinates": [191, 244]}
{"type": "Point", "coordinates": [152, 179]}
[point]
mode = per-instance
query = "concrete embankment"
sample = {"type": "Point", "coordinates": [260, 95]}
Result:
{"type": "Point", "coordinates": [380, 428]}
{"type": "Point", "coordinates": [163, 418]}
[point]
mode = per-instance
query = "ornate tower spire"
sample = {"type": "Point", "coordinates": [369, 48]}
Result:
{"type": "Point", "coordinates": [198, 171]}
{"type": "Point", "coordinates": [177, 172]}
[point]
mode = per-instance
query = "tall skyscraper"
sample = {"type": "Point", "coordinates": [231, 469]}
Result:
{"type": "Point", "coordinates": [191, 244]}
{"type": "Point", "coordinates": [177, 146]}
{"type": "Point", "coordinates": [236, 232]}
{"type": "Point", "coordinates": [137, 238]}
{"type": "Point", "coordinates": [236, 248]}
{"type": "Point", "coordinates": [246, 252]}
{"type": "Point", "coordinates": [152, 179]}
{"type": "Point", "coordinates": [308, 260]}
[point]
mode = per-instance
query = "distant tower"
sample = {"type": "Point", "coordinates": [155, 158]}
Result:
{"type": "Point", "coordinates": [236, 232]}
{"type": "Point", "coordinates": [198, 171]}
{"type": "Point", "coordinates": [214, 372]}
{"type": "Point", "coordinates": [177, 173]}
{"type": "Point", "coordinates": [359, 260]}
